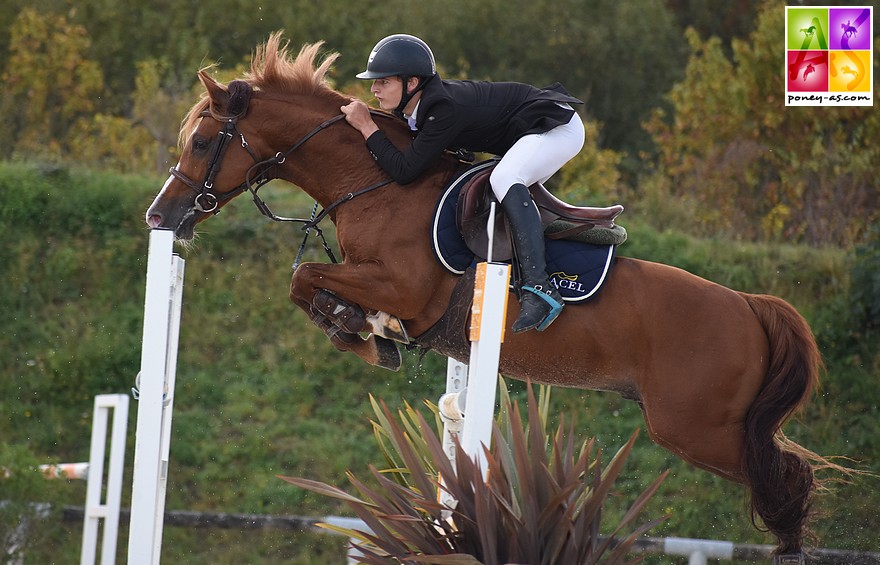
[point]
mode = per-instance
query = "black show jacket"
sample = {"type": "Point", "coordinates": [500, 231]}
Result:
{"type": "Point", "coordinates": [479, 116]}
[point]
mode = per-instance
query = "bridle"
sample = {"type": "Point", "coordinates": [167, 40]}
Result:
{"type": "Point", "coordinates": [207, 201]}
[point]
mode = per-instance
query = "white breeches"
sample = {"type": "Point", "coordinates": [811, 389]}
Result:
{"type": "Point", "coordinates": [537, 157]}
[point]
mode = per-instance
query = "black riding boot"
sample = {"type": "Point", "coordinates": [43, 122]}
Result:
{"type": "Point", "coordinates": [540, 302]}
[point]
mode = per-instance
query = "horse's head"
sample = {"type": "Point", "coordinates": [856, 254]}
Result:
{"type": "Point", "coordinates": [214, 160]}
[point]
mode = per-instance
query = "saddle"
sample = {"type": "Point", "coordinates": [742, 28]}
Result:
{"type": "Point", "coordinates": [559, 219]}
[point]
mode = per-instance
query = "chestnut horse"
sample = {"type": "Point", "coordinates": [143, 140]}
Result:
{"type": "Point", "coordinates": [716, 372]}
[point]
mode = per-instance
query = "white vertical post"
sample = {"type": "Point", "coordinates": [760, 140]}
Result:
{"type": "Point", "coordinates": [451, 413]}
{"type": "Point", "coordinates": [451, 404]}
{"type": "Point", "coordinates": [487, 332]}
{"type": "Point", "coordinates": [162, 304]}
{"type": "Point", "coordinates": [470, 418]}
{"type": "Point", "coordinates": [95, 511]}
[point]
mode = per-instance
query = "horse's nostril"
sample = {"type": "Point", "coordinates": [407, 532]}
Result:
{"type": "Point", "coordinates": [154, 220]}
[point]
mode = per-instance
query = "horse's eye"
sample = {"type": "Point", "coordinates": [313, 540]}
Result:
{"type": "Point", "coordinates": [200, 143]}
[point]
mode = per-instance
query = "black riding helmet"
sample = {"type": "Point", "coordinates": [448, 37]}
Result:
{"type": "Point", "coordinates": [404, 56]}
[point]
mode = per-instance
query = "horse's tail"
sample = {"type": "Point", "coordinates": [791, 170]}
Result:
{"type": "Point", "coordinates": [778, 471]}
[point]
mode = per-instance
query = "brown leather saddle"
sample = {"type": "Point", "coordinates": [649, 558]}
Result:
{"type": "Point", "coordinates": [473, 208]}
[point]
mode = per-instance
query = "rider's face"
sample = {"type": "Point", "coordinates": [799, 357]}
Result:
{"type": "Point", "coordinates": [388, 91]}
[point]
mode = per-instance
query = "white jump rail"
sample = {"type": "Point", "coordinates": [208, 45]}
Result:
{"type": "Point", "coordinates": [162, 305]}
{"type": "Point", "coordinates": [70, 471]}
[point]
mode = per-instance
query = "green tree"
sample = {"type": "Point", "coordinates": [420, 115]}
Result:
{"type": "Point", "coordinates": [726, 19]}
{"type": "Point", "coordinates": [695, 144]}
{"type": "Point", "coordinates": [752, 168]}
{"type": "Point", "coordinates": [620, 57]}
{"type": "Point", "coordinates": [111, 142]}
{"type": "Point", "coordinates": [864, 320]}
{"type": "Point", "coordinates": [50, 84]}
{"type": "Point", "coordinates": [158, 109]}
{"type": "Point", "coordinates": [592, 178]}
{"type": "Point", "coordinates": [126, 33]}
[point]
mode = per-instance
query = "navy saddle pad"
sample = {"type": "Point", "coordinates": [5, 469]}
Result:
{"type": "Point", "coordinates": [577, 269]}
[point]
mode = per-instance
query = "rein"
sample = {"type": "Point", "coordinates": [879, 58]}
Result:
{"type": "Point", "coordinates": [207, 201]}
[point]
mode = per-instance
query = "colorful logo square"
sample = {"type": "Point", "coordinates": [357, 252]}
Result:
{"type": "Point", "coordinates": [849, 28]}
{"type": "Point", "coordinates": [850, 71]}
{"type": "Point", "coordinates": [829, 54]}
{"type": "Point", "coordinates": [808, 71]}
{"type": "Point", "coordinates": [807, 28]}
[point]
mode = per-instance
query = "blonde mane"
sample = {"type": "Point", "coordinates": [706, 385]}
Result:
{"type": "Point", "coordinates": [273, 69]}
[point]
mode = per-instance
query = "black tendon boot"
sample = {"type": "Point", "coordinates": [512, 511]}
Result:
{"type": "Point", "coordinates": [540, 302]}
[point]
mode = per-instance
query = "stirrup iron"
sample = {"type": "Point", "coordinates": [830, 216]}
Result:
{"type": "Point", "coordinates": [555, 307]}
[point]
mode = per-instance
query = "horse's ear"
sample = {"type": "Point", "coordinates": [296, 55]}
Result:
{"type": "Point", "coordinates": [239, 97]}
{"type": "Point", "coordinates": [232, 100]}
{"type": "Point", "coordinates": [216, 93]}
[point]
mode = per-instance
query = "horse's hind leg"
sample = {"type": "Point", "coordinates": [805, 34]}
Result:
{"type": "Point", "coordinates": [716, 448]}
{"type": "Point", "coordinates": [714, 438]}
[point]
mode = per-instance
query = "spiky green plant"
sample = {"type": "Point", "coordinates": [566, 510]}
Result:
{"type": "Point", "coordinates": [541, 503]}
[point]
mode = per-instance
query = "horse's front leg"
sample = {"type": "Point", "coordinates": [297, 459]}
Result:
{"type": "Point", "coordinates": [353, 319]}
{"type": "Point", "coordinates": [341, 292]}
{"type": "Point", "coordinates": [374, 350]}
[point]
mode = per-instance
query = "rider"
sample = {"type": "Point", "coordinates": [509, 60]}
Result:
{"type": "Point", "coordinates": [536, 131]}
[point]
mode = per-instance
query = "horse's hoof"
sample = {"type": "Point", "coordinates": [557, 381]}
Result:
{"type": "Point", "coordinates": [388, 356]}
{"type": "Point", "coordinates": [385, 325]}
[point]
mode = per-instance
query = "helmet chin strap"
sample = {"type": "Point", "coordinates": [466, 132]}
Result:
{"type": "Point", "coordinates": [405, 97]}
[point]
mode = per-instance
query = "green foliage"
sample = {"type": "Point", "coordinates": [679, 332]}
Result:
{"type": "Point", "coordinates": [593, 56]}
{"type": "Point", "coordinates": [809, 278]}
{"type": "Point", "coordinates": [592, 177]}
{"type": "Point", "coordinates": [592, 47]}
{"type": "Point", "coordinates": [158, 108]}
{"type": "Point", "coordinates": [49, 81]}
{"type": "Point", "coordinates": [850, 321]}
{"type": "Point", "coordinates": [749, 170]}
{"type": "Point", "coordinates": [112, 143]}
{"type": "Point", "coordinates": [70, 294]}
{"type": "Point", "coordinates": [542, 500]}
{"type": "Point", "coordinates": [866, 284]}
{"type": "Point", "coordinates": [104, 85]}
{"type": "Point", "coordinates": [727, 19]}
{"type": "Point", "coordinates": [30, 506]}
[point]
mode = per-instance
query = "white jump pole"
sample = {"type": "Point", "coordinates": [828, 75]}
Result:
{"type": "Point", "coordinates": [95, 511]}
{"type": "Point", "coordinates": [162, 305]}
{"type": "Point", "coordinates": [487, 332]}
{"type": "Point", "coordinates": [479, 379]}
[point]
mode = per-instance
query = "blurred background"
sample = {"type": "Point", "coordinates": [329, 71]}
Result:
{"type": "Point", "coordinates": [686, 126]}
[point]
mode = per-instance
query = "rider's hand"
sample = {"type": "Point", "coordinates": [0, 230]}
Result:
{"type": "Point", "coordinates": [357, 113]}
